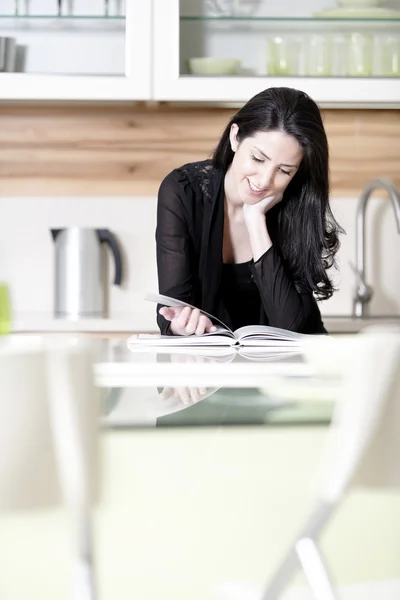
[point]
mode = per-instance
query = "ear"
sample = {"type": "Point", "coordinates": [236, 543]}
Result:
{"type": "Point", "coordinates": [233, 137]}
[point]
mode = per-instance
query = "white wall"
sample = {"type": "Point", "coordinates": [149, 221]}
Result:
{"type": "Point", "coordinates": [26, 252]}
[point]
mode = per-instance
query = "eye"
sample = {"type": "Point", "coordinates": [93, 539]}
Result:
{"type": "Point", "coordinates": [257, 160]}
{"type": "Point", "coordinates": [286, 172]}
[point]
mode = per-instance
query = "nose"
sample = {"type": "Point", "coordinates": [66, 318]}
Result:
{"type": "Point", "coordinates": [266, 177]}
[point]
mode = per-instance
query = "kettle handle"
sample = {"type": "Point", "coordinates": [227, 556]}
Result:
{"type": "Point", "coordinates": [105, 235]}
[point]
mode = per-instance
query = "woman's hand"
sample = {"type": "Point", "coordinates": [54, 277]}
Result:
{"type": "Point", "coordinates": [187, 395]}
{"type": "Point", "coordinates": [254, 218]}
{"type": "Point", "coordinates": [255, 211]}
{"type": "Point", "coordinates": [187, 321]}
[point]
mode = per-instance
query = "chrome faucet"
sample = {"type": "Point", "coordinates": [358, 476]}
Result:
{"type": "Point", "coordinates": [364, 292]}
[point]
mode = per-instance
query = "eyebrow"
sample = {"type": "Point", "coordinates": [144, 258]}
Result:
{"type": "Point", "coordinates": [267, 157]}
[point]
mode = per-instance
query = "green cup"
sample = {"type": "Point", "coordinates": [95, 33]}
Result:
{"type": "Point", "coordinates": [5, 312]}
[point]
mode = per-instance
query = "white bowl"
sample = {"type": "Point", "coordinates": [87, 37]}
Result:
{"type": "Point", "coordinates": [214, 66]}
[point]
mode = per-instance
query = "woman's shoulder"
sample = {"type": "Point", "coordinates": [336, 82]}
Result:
{"type": "Point", "coordinates": [196, 175]}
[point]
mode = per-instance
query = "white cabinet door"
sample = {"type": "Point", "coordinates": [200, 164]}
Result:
{"type": "Point", "coordinates": [75, 50]}
{"type": "Point", "coordinates": [339, 62]}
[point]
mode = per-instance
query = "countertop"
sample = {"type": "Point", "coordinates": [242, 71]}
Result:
{"type": "Point", "coordinates": [47, 323]}
{"type": "Point", "coordinates": [127, 323]}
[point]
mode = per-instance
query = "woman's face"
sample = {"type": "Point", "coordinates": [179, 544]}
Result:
{"type": "Point", "coordinates": [263, 165]}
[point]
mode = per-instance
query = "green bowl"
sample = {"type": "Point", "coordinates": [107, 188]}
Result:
{"type": "Point", "coordinates": [214, 66]}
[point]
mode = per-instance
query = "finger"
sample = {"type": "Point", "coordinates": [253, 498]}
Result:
{"type": "Point", "coordinates": [178, 324]}
{"type": "Point", "coordinates": [202, 324]}
{"type": "Point", "coordinates": [199, 358]}
{"type": "Point", "coordinates": [189, 358]}
{"type": "Point", "coordinates": [182, 358]}
{"type": "Point", "coordinates": [203, 391]}
{"type": "Point", "coordinates": [210, 328]}
{"type": "Point", "coordinates": [166, 393]}
{"type": "Point", "coordinates": [183, 318]}
{"type": "Point", "coordinates": [184, 395]}
{"type": "Point", "coordinates": [172, 311]}
{"type": "Point", "coordinates": [167, 313]}
{"type": "Point", "coordinates": [177, 358]}
{"type": "Point", "coordinates": [194, 395]}
{"type": "Point", "coordinates": [193, 321]}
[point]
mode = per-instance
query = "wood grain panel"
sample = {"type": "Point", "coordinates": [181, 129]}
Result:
{"type": "Point", "coordinates": [94, 150]}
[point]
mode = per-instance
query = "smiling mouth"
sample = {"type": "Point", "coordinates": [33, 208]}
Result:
{"type": "Point", "coordinates": [255, 189]}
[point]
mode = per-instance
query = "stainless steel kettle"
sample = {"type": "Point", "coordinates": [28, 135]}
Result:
{"type": "Point", "coordinates": [81, 284]}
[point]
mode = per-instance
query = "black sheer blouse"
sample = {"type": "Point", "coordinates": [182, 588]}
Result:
{"type": "Point", "coordinates": [189, 236]}
{"type": "Point", "coordinates": [240, 294]}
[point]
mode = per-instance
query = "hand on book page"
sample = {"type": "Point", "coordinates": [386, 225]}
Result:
{"type": "Point", "coordinates": [174, 303]}
{"type": "Point", "coordinates": [249, 335]}
{"type": "Point", "coordinates": [185, 320]}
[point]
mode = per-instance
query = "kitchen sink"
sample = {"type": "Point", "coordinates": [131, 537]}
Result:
{"type": "Point", "coordinates": [350, 324]}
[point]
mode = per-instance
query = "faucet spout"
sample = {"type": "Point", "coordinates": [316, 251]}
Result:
{"type": "Point", "coordinates": [363, 291]}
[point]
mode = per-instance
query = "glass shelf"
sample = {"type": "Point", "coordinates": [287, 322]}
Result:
{"type": "Point", "coordinates": [243, 23]}
{"type": "Point", "coordinates": [287, 19]}
{"type": "Point", "coordinates": [65, 23]}
{"type": "Point", "coordinates": [63, 17]}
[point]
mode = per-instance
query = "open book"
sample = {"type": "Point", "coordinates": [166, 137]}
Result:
{"type": "Point", "coordinates": [251, 335]}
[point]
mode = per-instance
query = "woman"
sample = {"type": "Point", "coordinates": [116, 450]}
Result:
{"type": "Point", "coordinates": [248, 235]}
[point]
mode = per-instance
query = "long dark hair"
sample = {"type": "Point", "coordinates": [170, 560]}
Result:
{"type": "Point", "coordinates": [302, 224]}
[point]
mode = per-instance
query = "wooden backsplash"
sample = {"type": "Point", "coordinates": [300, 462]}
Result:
{"type": "Point", "coordinates": [97, 150]}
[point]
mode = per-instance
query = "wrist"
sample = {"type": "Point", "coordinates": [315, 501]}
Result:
{"type": "Point", "coordinates": [255, 222]}
{"type": "Point", "coordinates": [260, 240]}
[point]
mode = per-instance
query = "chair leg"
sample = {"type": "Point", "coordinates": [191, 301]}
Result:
{"type": "Point", "coordinates": [315, 570]}
{"type": "Point", "coordinates": [282, 576]}
{"type": "Point", "coordinates": [293, 559]}
{"type": "Point", "coordinates": [83, 585]}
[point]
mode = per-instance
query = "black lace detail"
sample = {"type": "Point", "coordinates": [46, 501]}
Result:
{"type": "Point", "coordinates": [201, 174]}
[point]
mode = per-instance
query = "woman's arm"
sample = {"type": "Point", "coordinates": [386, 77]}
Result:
{"type": "Point", "coordinates": [173, 247]}
{"type": "Point", "coordinates": [285, 306]}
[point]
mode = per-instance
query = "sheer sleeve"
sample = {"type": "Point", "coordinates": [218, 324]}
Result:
{"type": "Point", "coordinates": [285, 306]}
{"type": "Point", "coordinates": [173, 244]}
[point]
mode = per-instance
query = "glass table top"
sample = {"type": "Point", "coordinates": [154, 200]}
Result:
{"type": "Point", "coordinates": [128, 407]}
{"type": "Point", "coordinates": [255, 387]}
{"type": "Point", "coordinates": [207, 387]}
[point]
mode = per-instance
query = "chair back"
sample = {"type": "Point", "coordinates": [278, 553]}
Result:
{"type": "Point", "coordinates": [363, 443]}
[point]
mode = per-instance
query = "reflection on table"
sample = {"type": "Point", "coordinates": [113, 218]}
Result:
{"type": "Point", "coordinates": [162, 386]}
{"type": "Point", "coordinates": [149, 407]}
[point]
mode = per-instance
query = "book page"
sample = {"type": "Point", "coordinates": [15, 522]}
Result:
{"type": "Point", "coordinates": [288, 353]}
{"type": "Point", "coordinates": [167, 301]}
{"type": "Point", "coordinates": [208, 339]}
{"type": "Point", "coordinates": [265, 332]}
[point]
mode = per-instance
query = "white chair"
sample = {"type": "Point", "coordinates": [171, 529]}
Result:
{"type": "Point", "coordinates": [49, 410]}
{"type": "Point", "coordinates": [362, 449]}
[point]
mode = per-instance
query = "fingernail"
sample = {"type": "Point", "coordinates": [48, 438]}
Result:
{"type": "Point", "coordinates": [213, 328]}
{"type": "Point", "coordinates": [202, 391]}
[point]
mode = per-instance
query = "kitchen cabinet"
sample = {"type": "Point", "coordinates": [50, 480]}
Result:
{"type": "Point", "coordinates": [340, 62]}
{"type": "Point", "coordinates": [127, 50]}
{"type": "Point", "coordinates": [97, 50]}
